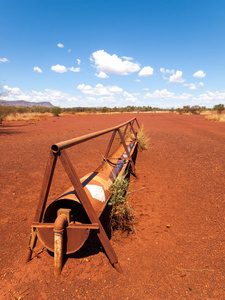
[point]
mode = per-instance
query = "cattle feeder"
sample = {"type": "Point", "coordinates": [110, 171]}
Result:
{"type": "Point", "coordinates": [64, 225]}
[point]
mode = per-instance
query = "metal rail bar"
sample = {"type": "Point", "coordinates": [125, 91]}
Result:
{"type": "Point", "coordinates": [69, 143]}
{"type": "Point", "coordinates": [77, 226]}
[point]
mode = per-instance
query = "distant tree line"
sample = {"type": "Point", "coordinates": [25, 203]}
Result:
{"type": "Point", "coordinates": [6, 110]}
{"type": "Point", "coordinates": [196, 109]}
{"type": "Point", "coordinates": [56, 111]}
{"type": "Point", "coordinates": [109, 109]}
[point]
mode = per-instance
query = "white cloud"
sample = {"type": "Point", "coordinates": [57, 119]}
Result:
{"type": "Point", "coordinates": [60, 45]}
{"type": "Point", "coordinates": [199, 74]}
{"type": "Point", "coordinates": [115, 89]}
{"type": "Point", "coordinates": [167, 71]}
{"type": "Point", "coordinates": [194, 86]}
{"type": "Point", "coordinates": [184, 96]}
{"type": "Point", "coordinates": [211, 97]}
{"type": "Point", "coordinates": [72, 69]}
{"type": "Point", "coordinates": [166, 95]}
{"type": "Point", "coordinates": [145, 89]}
{"type": "Point", "coordinates": [146, 71]}
{"type": "Point", "coordinates": [69, 50]}
{"type": "Point", "coordinates": [78, 61]}
{"type": "Point", "coordinates": [114, 96]}
{"type": "Point", "coordinates": [4, 59]}
{"type": "Point", "coordinates": [177, 77]}
{"type": "Point", "coordinates": [37, 69]}
{"type": "Point", "coordinates": [107, 101]}
{"type": "Point", "coordinates": [129, 97]}
{"type": "Point", "coordinates": [99, 90]}
{"type": "Point", "coordinates": [56, 97]}
{"type": "Point", "coordinates": [98, 96]}
{"type": "Point", "coordinates": [13, 91]}
{"type": "Point", "coordinates": [62, 69]}
{"type": "Point", "coordinates": [102, 75]}
{"type": "Point", "coordinates": [59, 68]}
{"type": "Point", "coordinates": [112, 64]}
{"type": "Point", "coordinates": [159, 94]}
{"type": "Point", "coordinates": [127, 58]}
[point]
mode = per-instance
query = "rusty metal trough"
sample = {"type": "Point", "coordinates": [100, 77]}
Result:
{"type": "Point", "coordinates": [64, 226]}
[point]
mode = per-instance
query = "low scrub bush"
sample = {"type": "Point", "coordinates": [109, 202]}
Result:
{"type": "Point", "coordinates": [26, 116]}
{"type": "Point", "coordinates": [216, 117]}
{"type": "Point", "coordinates": [5, 111]}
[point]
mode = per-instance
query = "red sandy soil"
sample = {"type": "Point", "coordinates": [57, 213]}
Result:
{"type": "Point", "coordinates": [178, 249]}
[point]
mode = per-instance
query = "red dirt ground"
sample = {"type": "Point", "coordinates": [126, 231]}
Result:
{"type": "Point", "coordinates": [178, 249]}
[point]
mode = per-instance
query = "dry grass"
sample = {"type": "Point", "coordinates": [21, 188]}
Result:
{"type": "Point", "coordinates": [122, 216]}
{"type": "Point", "coordinates": [216, 117]}
{"type": "Point", "coordinates": [143, 139]}
{"type": "Point", "coordinates": [27, 116]}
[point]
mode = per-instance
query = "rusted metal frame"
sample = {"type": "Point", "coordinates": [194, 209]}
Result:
{"type": "Point", "coordinates": [88, 206]}
{"type": "Point", "coordinates": [127, 152]}
{"type": "Point", "coordinates": [69, 143]}
{"type": "Point", "coordinates": [137, 123]}
{"type": "Point", "coordinates": [110, 144]}
{"type": "Point", "coordinates": [134, 132]}
{"type": "Point", "coordinates": [125, 130]}
{"type": "Point", "coordinates": [31, 244]}
{"type": "Point", "coordinates": [42, 201]}
{"type": "Point", "coordinates": [78, 226]}
{"type": "Point", "coordinates": [46, 186]}
{"type": "Point", "coordinates": [113, 136]}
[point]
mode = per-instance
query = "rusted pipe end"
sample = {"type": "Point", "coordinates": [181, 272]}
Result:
{"type": "Point", "coordinates": [57, 271]}
{"type": "Point", "coordinates": [59, 226]}
{"type": "Point", "coordinates": [28, 256]}
{"type": "Point", "coordinates": [55, 148]}
{"type": "Point", "coordinates": [118, 268]}
{"type": "Point", "coordinates": [60, 223]}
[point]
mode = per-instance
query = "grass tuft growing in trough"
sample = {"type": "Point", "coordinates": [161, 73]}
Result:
{"type": "Point", "coordinates": [143, 139]}
{"type": "Point", "coordinates": [122, 215]}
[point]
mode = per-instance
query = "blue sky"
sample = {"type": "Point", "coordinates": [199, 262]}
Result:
{"type": "Point", "coordinates": [163, 53]}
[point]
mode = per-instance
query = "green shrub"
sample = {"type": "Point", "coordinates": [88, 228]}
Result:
{"type": "Point", "coordinates": [219, 108]}
{"type": "Point", "coordinates": [56, 111]}
{"type": "Point", "coordinates": [5, 111]}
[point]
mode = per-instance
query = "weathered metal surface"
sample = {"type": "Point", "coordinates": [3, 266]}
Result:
{"type": "Point", "coordinates": [85, 201]}
{"type": "Point", "coordinates": [75, 237]}
{"type": "Point", "coordinates": [59, 227]}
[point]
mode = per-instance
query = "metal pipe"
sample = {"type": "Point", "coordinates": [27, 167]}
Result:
{"type": "Point", "coordinates": [69, 143]}
{"type": "Point", "coordinates": [59, 226]}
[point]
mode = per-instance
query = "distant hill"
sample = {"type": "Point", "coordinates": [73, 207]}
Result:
{"type": "Point", "coordinates": [25, 103]}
